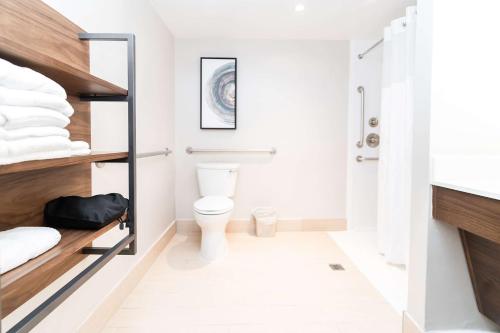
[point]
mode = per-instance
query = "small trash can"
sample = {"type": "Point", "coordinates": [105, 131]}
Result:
{"type": "Point", "coordinates": [265, 221]}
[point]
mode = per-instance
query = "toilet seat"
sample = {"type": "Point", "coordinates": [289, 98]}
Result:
{"type": "Point", "coordinates": [213, 205]}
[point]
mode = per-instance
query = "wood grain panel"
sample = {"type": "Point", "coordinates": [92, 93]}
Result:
{"type": "Point", "coordinates": [24, 194]}
{"type": "Point", "coordinates": [473, 213]}
{"type": "Point", "coordinates": [483, 261]}
{"type": "Point", "coordinates": [45, 31]}
{"type": "Point", "coordinates": [478, 221]}
{"type": "Point", "coordinates": [80, 125]}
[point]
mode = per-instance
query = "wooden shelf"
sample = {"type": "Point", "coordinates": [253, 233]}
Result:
{"type": "Point", "coordinates": [61, 162]}
{"type": "Point", "coordinates": [21, 283]}
{"type": "Point", "coordinates": [75, 81]}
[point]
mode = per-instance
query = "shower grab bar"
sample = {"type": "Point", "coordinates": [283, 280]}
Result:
{"type": "Point", "coordinates": [165, 152]}
{"type": "Point", "coordinates": [360, 158]}
{"type": "Point", "coordinates": [191, 150]}
{"type": "Point", "coordinates": [361, 141]}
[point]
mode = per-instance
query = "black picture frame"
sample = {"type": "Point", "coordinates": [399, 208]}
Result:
{"type": "Point", "coordinates": [202, 104]}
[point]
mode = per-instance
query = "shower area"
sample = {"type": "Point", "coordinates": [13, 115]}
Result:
{"type": "Point", "coordinates": [379, 158]}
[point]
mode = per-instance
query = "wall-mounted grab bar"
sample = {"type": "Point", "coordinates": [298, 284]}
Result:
{"type": "Point", "coordinates": [361, 141]}
{"type": "Point", "coordinates": [360, 158]}
{"type": "Point", "coordinates": [191, 150]}
{"type": "Point", "coordinates": [165, 152]}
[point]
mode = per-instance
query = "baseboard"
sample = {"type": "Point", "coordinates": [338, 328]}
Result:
{"type": "Point", "coordinates": [98, 319]}
{"type": "Point", "coordinates": [188, 226]}
{"type": "Point", "coordinates": [409, 325]}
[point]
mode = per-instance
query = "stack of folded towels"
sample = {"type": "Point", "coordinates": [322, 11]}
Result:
{"type": "Point", "coordinates": [33, 115]}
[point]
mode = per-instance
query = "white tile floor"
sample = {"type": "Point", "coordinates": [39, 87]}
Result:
{"type": "Point", "coordinates": [361, 248]}
{"type": "Point", "coordinates": [281, 284]}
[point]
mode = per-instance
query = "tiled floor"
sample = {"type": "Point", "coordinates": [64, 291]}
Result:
{"type": "Point", "coordinates": [281, 284]}
{"type": "Point", "coordinates": [361, 248]}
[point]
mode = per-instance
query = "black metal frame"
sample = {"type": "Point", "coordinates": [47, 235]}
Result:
{"type": "Point", "coordinates": [131, 160]}
{"type": "Point", "coordinates": [235, 93]}
{"type": "Point", "coordinates": [128, 245]}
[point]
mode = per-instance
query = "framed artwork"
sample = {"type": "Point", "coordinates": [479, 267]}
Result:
{"type": "Point", "coordinates": [218, 93]}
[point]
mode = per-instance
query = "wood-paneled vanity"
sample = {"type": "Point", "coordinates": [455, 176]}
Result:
{"type": "Point", "coordinates": [478, 221]}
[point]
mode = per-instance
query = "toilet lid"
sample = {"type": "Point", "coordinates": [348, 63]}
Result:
{"type": "Point", "coordinates": [213, 205]}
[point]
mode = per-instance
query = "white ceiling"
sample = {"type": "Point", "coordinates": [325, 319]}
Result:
{"type": "Point", "coordinates": [277, 19]}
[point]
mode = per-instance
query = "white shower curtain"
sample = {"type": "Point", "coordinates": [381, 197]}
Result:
{"type": "Point", "coordinates": [396, 118]}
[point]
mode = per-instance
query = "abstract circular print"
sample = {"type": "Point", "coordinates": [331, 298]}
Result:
{"type": "Point", "coordinates": [221, 93]}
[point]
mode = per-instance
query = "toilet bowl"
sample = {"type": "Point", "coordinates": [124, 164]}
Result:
{"type": "Point", "coordinates": [216, 182]}
{"type": "Point", "coordinates": [212, 214]}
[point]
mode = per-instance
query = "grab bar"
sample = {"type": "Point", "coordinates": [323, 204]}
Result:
{"type": "Point", "coordinates": [191, 150]}
{"type": "Point", "coordinates": [165, 152]}
{"type": "Point", "coordinates": [360, 158]}
{"type": "Point", "coordinates": [361, 141]}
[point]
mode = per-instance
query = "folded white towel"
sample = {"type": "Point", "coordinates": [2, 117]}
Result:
{"type": "Point", "coordinates": [22, 78]}
{"type": "Point", "coordinates": [36, 145]}
{"type": "Point", "coordinates": [76, 145]}
{"type": "Point", "coordinates": [37, 99]}
{"type": "Point", "coordinates": [21, 244]}
{"type": "Point", "coordinates": [32, 132]}
{"type": "Point", "coordinates": [80, 148]}
{"type": "Point", "coordinates": [80, 152]}
{"type": "Point", "coordinates": [4, 150]}
{"type": "Point", "coordinates": [16, 117]}
{"type": "Point", "coordinates": [44, 155]}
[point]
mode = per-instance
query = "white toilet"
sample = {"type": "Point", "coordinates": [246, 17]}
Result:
{"type": "Point", "coordinates": [217, 182]}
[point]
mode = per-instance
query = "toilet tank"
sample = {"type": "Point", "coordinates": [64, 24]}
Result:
{"type": "Point", "coordinates": [217, 178]}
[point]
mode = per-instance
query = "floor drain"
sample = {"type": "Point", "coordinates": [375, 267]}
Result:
{"type": "Point", "coordinates": [336, 267]}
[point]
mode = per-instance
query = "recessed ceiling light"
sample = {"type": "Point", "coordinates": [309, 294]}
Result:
{"type": "Point", "coordinates": [299, 7]}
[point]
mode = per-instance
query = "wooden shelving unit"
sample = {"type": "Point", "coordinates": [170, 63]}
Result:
{"type": "Point", "coordinates": [34, 35]}
{"type": "Point", "coordinates": [62, 162]}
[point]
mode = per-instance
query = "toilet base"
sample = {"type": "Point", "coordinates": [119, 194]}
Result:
{"type": "Point", "coordinates": [213, 245]}
{"type": "Point", "coordinates": [213, 235]}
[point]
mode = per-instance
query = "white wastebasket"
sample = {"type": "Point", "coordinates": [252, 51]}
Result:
{"type": "Point", "coordinates": [265, 221]}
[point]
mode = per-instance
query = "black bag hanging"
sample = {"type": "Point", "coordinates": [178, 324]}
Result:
{"type": "Point", "coordinates": [85, 213]}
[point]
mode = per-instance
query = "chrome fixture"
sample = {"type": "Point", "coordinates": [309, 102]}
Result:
{"type": "Point", "coordinates": [362, 55]}
{"type": "Point", "coordinates": [360, 158]}
{"type": "Point", "coordinates": [373, 122]}
{"type": "Point", "coordinates": [165, 152]}
{"type": "Point", "coordinates": [373, 140]}
{"type": "Point", "coordinates": [191, 150]}
{"type": "Point", "coordinates": [361, 140]}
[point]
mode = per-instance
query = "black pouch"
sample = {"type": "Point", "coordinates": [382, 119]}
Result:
{"type": "Point", "coordinates": [85, 213]}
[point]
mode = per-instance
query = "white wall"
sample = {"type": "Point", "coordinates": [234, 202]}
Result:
{"type": "Point", "coordinates": [155, 130]}
{"type": "Point", "coordinates": [465, 73]}
{"type": "Point", "coordinates": [362, 177]}
{"type": "Point", "coordinates": [291, 95]}
{"type": "Point", "coordinates": [457, 108]}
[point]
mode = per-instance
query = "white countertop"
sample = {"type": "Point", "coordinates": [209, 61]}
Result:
{"type": "Point", "coordinates": [479, 175]}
